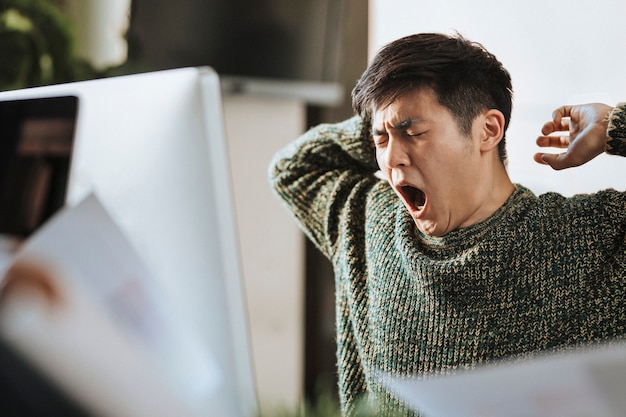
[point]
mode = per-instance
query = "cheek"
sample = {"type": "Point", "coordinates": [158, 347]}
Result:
{"type": "Point", "coordinates": [385, 174]}
{"type": "Point", "coordinates": [381, 165]}
{"type": "Point", "coordinates": [379, 159]}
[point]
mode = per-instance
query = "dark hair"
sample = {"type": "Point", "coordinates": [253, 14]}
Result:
{"type": "Point", "coordinates": [466, 78]}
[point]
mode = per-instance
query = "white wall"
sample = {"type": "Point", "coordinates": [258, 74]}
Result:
{"type": "Point", "coordinates": [558, 52]}
{"type": "Point", "coordinates": [272, 246]}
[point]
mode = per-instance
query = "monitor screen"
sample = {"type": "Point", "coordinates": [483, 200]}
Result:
{"type": "Point", "coordinates": [36, 146]}
{"type": "Point", "coordinates": [152, 147]}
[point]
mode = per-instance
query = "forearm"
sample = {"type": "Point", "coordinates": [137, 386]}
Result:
{"type": "Point", "coordinates": [616, 131]}
{"type": "Point", "coordinates": [315, 174]}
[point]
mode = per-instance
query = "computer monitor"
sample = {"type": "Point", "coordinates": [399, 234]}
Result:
{"type": "Point", "coordinates": [152, 147]}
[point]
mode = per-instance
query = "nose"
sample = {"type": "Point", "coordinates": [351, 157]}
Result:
{"type": "Point", "coordinates": [395, 153]}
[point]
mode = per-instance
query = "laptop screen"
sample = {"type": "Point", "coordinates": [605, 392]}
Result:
{"type": "Point", "coordinates": [35, 151]}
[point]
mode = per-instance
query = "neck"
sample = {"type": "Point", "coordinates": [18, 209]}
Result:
{"type": "Point", "coordinates": [492, 195]}
{"type": "Point", "coordinates": [497, 191]}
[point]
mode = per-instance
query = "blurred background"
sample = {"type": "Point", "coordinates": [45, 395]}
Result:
{"type": "Point", "coordinates": [558, 52]}
{"type": "Point", "coordinates": [286, 65]}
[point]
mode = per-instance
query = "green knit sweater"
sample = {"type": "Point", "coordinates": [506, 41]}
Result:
{"type": "Point", "coordinates": [542, 272]}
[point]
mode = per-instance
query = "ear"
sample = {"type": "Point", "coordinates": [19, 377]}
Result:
{"type": "Point", "coordinates": [492, 129]}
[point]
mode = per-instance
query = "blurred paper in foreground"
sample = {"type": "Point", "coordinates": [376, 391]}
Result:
{"type": "Point", "coordinates": [107, 335]}
{"type": "Point", "coordinates": [580, 383]}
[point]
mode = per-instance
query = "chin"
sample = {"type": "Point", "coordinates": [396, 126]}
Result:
{"type": "Point", "coordinates": [429, 228]}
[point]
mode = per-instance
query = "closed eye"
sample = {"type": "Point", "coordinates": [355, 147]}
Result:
{"type": "Point", "coordinates": [380, 139]}
{"type": "Point", "coordinates": [415, 135]}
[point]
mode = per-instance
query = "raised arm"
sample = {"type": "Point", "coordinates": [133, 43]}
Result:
{"type": "Point", "coordinates": [585, 131]}
{"type": "Point", "coordinates": [321, 176]}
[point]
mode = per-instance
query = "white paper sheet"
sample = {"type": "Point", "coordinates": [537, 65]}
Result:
{"type": "Point", "coordinates": [102, 276]}
{"type": "Point", "coordinates": [580, 383]}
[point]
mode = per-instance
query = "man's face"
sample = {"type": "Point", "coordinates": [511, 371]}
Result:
{"type": "Point", "coordinates": [433, 167]}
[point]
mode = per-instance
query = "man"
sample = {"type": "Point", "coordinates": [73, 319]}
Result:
{"type": "Point", "coordinates": [440, 261]}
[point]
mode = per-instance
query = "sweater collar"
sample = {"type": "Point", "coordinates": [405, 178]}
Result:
{"type": "Point", "coordinates": [467, 236]}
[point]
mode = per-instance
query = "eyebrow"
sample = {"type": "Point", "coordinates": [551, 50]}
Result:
{"type": "Point", "coordinates": [401, 125]}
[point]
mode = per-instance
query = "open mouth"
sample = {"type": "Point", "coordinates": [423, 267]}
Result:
{"type": "Point", "coordinates": [414, 196]}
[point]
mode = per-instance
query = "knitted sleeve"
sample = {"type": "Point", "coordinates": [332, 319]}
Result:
{"type": "Point", "coordinates": [315, 176]}
{"type": "Point", "coordinates": [616, 132]}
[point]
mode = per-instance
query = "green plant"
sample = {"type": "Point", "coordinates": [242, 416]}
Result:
{"type": "Point", "coordinates": [325, 404]}
{"type": "Point", "coordinates": [37, 45]}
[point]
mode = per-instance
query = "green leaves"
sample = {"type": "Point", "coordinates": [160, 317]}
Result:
{"type": "Point", "coordinates": [37, 46]}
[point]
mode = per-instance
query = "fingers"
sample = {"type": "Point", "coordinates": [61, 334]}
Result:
{"type": "Point", "coordinates": [561, 113]}
{"type": "Point", "coordinates": [560, 122]}
{"type": "Point", "coordinates": [561, 118]}
{"type": "Point", "coordinates": [548, 127]}
{"type": "Point", "coordinates": [32, 278]}
{"type": "Point", "coordinates": [553, 141]}
{"type": "Point", "coordinates": [555, 161]}
{"type": "Point", "coordinates": [538, 157]}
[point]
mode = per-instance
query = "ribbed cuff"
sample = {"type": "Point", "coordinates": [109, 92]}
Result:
{"type": "Point", "coordinates": [616, 131]}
